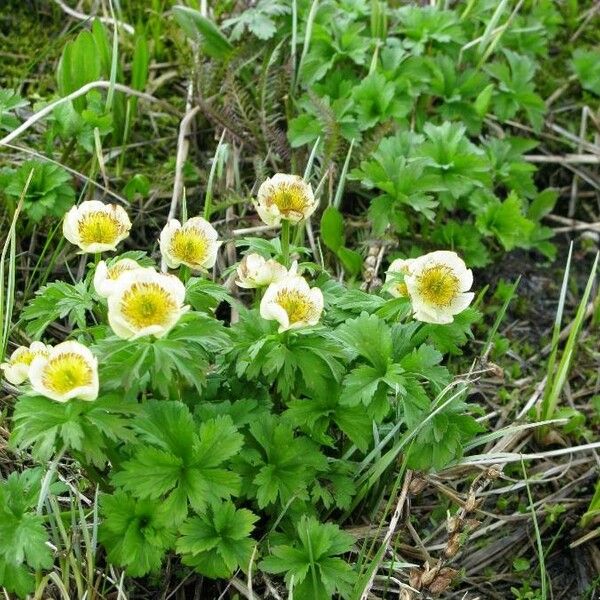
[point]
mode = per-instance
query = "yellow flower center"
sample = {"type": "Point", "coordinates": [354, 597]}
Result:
{"type": "Point", "coordinates": [66, 372]}
{"type": "Point", "coordinates": [438, 285]}
{"type": "Point", "coordinates": [118, 269]}
{"type": "Point", "coordinates": [288, 198]}
{"type": "Point", "coordinates": [189, 245]}
{"type": "Point", "coordinates": [146, 304]}
{"type": "Point", "coordinates": [297, 306]}
{"type": "Point", "coordinates": [99, 228]}
{"type": "Point", "coordinates": [26, 357]}
{"type": "Point", "coordinates": [401, 289]}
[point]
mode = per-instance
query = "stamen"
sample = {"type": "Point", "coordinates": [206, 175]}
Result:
{"type": "Point", "coordinates": [438, 285]}
{"type": "Point", "coordinates": [289, 198]}
{"type": "Point", "coordinates": [146, 304]}
{"type": "Point", "coordinates": [99, 228]}
{"type": "Point", "coordinates": [66, 372]}
{"type": "Point", "coordinates": [189, 245]}
{"type": "Point", "coordinates": [296, 305]}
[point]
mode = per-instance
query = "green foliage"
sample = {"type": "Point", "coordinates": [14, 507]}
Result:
{"type": "Point", "coordinates": [311, 561]}
{"type": "Point", "coordinates": [58, 300]}
{"type": "Point", "coordinates": [258, 20]}
{"type": "Point", "coordinates": [277, 465]}
{"type": "Point", "coordinates": [586, 65]}
{"type": "Point", "coordinates": [178, 464]}
{"type": "Point", "coordinates": [332, 234]}
{"type": "Point", "coordinates": [49, 194]}
{"type": "Point", "coordinates": [200, 28]}
{"type": "Point", "coordinates": [10, 101]}
{"type": "Point", "coordinates": [135, 532]}
{"type": "Point", "coordinates": [167, 363]}
{"type": "Point", "coordinates": [218, 542]}
{"type": "Point", "coordinates": [87, 429]}
{"type": "Point", "coordinates": [23, 538]}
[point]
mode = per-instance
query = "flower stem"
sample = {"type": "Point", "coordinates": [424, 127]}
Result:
{"type": "Point", "coordinates": [285, 243]}
{"type": "Point", "coordinates": [184, 273]}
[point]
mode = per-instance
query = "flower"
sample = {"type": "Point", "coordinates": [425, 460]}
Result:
{"type": "Point", "coordinates": [254, 271]}
{"type": "Point", "coordinates": [105, 277]}
{"type": "Point", "coordinates": [285, 197]}
{"type": "Point", "coordinates": [292, 302]}
{"type": "Point", "coordinates": [95, 226]}
{"type": "Point", "coordinates": [193, 244]}
{"type": "Point", "coordinates": [395, 274]}
{"type": "Point", "coordinates": [69, 370]}
{"type": "Point", "coordinates": [16, 370]}
{"type": "Point", "coordinates": [144, 302]}
{"type": "Point", "coordinates": [438, 284]}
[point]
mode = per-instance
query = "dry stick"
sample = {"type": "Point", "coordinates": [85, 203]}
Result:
{"type": "Point", "coordinates": [38, 116]}
{"type": "Point", "coordinates": [569, 159]}
{"type": "Point", "coordinates": [83, 17]}
{"type": "Point", "coordinates": [575, 182]}
{"type": "Point", "coordinates": [571, 224]}
{"type": "Point", "coordinates": [390, 532]}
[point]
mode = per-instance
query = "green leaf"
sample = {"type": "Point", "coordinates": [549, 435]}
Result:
{"type": "Point", "coordinates": [351, 260]}
{"type": "Point", "coordinates": [89, 428]}
{"type": "Point", "coordinates": [369, 337]}
{"type": "Point", "coordinates": [182, 463]}
{"type": "Point", "coordinates": [49, 193]}
{"type": "Point", "coordinates": [218, 542]}
{"type": "Point", "coordinates": [58, 300]}
{"type": "Point", "coordinates": [311, 564]}
{"type": "Point", "coordinates": [134, 532]}
{"type": "Point", "coordinates": [23, 538]}
{"type": "Point", "coordinates": [451, 337]}
{"type": "Point", "coordinates": [213, 41]}
{"type": "Point", "coordinates": [277, 465]}
{"type": "Point", "coordinates": [332, 228]}
{"type": "Point", "coordinates": [586, 65]}
{"type": "Point", "coordinates": [506, 221]}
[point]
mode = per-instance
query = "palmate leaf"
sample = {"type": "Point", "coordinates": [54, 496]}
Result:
{"type": "Point", "coordinates": [317, 415]}
{"type": "Point", "coordinates": [303, 361]}
{"type": "Point", "coordinates": [49, 193]}
{"type": "Point", "coordinates": [179, 461]}
{"type": "Point", "coordinates": [22, 534]}
{"type": "Point", "coordinates": [135, 532]}
{"type": "Point", "coordinates": [507, 222]}
{"type": "Point", "coordinates": [85, 428]}
{"type": "Point", "coordinates": [23, 537]}
{"type": "Point", "coordinates": [449, 338]}
{"type": "Point", "coordinates": [218, 542]}
{"type": "Point", "coordinates": [311, 564]}
{"type": "Point", "coordinates": [458, 165]}
{"type": "Point", "coordinates": [58, 300]}
{"type": "Point", "coordinates": [165, 364]}
{"type": "Point", "coordinates": [277, 465]}
{"type": "Point", "coordinates": [369, 337]}
{"type": "Point", "coordinates": [443, 437]}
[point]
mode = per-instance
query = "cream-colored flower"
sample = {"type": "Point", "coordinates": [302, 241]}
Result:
{"type": "Point", "coordinates": [438, 284]}
{"type": "Point", "coordinates": [144, 302]}
{"type": "Point", "coordinates": [286, 197]}
{"type": "Point", "coordinates": [255, 272]}
{"type": "Point", "coordinates": [16, 370]}
{"type": "Point", "coordinates": [105, 277]}
{"type": "Point", "coordinates": [69, 370]}
{"type": "Point", "coordinates": [95, 226]}
{"type": "Point", "coordinates": [193, 244]}
{"type": "Point", "coordinates": [292, 303]}
{"type": "Point", "coordinates": [394, 277]}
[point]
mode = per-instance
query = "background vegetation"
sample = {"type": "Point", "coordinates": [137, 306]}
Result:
{"type": "Point", "coordinates": [469, 125]}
